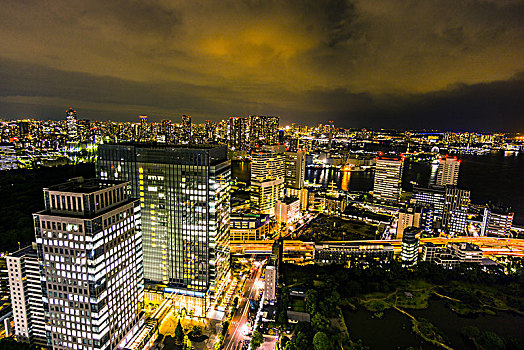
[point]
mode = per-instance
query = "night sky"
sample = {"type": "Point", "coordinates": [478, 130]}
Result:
{"type": "Point", "coordinates": [451, 65]}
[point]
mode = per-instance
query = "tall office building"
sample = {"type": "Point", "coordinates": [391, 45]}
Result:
{"type": "Point", "coordinates": [267, 180]}
{"type": "Point", "coordinates": [143, 129]}
{"type": "Point", "coordinates": [263, 130]}
{"type": "Point", "coordinates": [410, 242]}
{"type": "Point", "coordinates": [497, 221]}
{"type": "Point", "coordinates": [238, 133]}
{"type": "Point", "coordinates": [388, 179]}
{"type": "Point", "coordinates": [448, 171]}
{"type": "Point", "coordinates": [456, 207]}
{"type": "Point", "coordinates": [71, 124]}
{"type": "Point", "coordinates": [184, 195]}
{"type": "Point", "coordinates": [295, 169]}
{"type": "Point", "coordinates": [186, 134]}
{"type": "Point", "coordinates": [26, 296]}
{"type": "Point", "coordinates": [210, 130]}
{"type": "Point", "coordinates": [90, 253]}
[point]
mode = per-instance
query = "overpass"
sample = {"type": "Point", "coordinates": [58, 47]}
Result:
{"type": "Point", "coordinates": [488, 245]}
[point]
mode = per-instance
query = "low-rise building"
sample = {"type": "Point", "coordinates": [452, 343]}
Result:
{"type": "Point", "coordinates": [352, 253]}
{"type": "Point", "coordinates": [452, 255]}
{"type": "Point", "coordinates": [249, 227]}
{"type": "Point", "coordinates": [287, 210]}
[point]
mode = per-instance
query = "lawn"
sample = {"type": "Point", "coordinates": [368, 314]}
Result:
{"type": "Point", "coordinates": [298, 304]}
{"type": "Point", "coordinates": [326, 228]}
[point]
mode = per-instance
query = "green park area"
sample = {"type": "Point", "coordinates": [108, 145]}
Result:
{"type": "Point", "coordinates": [425, 297]}
{"type": "Point", "coordinates": [329, 228]}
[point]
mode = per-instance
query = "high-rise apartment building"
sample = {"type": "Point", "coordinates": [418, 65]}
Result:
{"type": "Point", "coordinates": [71, 124]}
{"type": "Point", "coordinates": [185, 200]}
{"type": "Point", "coordinates": [267, 166]}
{"type": "Point", "coordinates": [267, 181]}
{"type": "Point", "coordinates": [455, 210]}
{"type": "Point", "coordinates": [26, 296]}
{"type": "Point", "coordinates": [186, 133]}
{"type": "Point", "coordinates": [238, 133]}
{"type": "Point", "coordinates": [143, 129]}
{"type": "Point", "coordinates": [448, 171]}
{"type": "Point", "coordinates": [295, 169]}
{"type": "Point", "coordinates": [497, 221]}
{"type": "Point", "coordinates": [90, 253]}
{"type": "Point", "coordinates": [263, 130]}
{"type": "Point", "coordinates": [388, 179]}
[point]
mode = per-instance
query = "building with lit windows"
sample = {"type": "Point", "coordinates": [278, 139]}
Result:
{"type": "Point", "coordinates": [238, 133]}
{"type": "Point", "coordinates": [288, 210]}
{"type": "Point", "coordinates": [452, 255]}
{"type": "Point", "coordinates": [267, 180]}
{"type": "Point", "coordinates": [497, 221]}
{"type": "Point", "coordinates": [270, 282]}
{"type": "Point", "coordinates": [249, 227]}
{"type": "Point", "coordinates": [448, 171]}
{"type": "Point", "coordinates": [8, 159]}
{"type": "Point", "coordinates": [431, 197]}
{"type": "Point", "coordinates": [352, 253]}
{"type": "Point", "coordinates": [388, 178]}
{"type": "Point", "coordinates": [295, 169]}
{"type": "Point", "coordinates": [456, 207]}
{"type": "Point", "coordinates": [263, 130]}
{"type": "Point", "coordinates": [26, 296]}
{"type": "Point", "coordinates": [186, 133]}
{"type": "Point", "coordinates": [71, 124]}
{"type": "Point", "coordinates": [410, 242]}
{"type": "Point", "coordinates": [185, 200]}
{"type": "Point", "coordinates": [143, 129]}
{"type": "Point", "coordinates": [90, 253]}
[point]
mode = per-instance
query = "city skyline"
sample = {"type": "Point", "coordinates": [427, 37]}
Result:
{"type": "Point", "coordinates": [361, 64]}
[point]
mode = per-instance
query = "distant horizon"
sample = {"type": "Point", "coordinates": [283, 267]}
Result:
{"type": "Point", "coordinates": [282, 125]}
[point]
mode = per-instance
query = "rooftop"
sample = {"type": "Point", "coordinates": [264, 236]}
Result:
{"type": "Point", "coordinates": [81, 185]}
{"type": "Point", "coordinates": [26, 251]}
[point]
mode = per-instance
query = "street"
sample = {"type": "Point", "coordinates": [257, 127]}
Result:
{"type": "Point", "coordinates": [239, 320]}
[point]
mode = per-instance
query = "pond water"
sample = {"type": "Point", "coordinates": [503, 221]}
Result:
{"type": "Point", "coordinates": [505, 324]}
{"type": "Point", "coordinates": [393, 331]}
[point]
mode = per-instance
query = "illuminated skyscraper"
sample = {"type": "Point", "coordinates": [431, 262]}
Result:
{"type": "Point", "coordinates": [497, 221]}
{"type": "Point", "coordinates": [90, 254]}
{"type": "Point", "coordinates": [295, 169]}
{"type": "Point", "coordinates": [184, 195]}
{"type": "Point", "coordinates": [143, 131]}
{"type": "Point", "coordinates": [238, 133]}
{"type": "Point", "coordinates": [186, 134]}
{"type": "Point", "coordinates": [26, 296]}
{"type": "Point", "coordinates": [388, 179]}
{"type": "Point", "coordinates": [267, 181]}
{"type": "Point", "coordinates": [455, 210]}
{"type": "Point", "coordinates": [263, 130]}
{"type": "Point", "coordinates": [448, 171]}
{"type": "Point", "coordinates": [71, 124]}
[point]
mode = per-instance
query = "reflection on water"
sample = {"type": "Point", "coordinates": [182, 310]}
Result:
{"type": "Point", "coordinates": [346, 176]}
{"type": "Point", "coordinates": [344, 180]}
{"type": "Point", "coordinates": [492, 177]}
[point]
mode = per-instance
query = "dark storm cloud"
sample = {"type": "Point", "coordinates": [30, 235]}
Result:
{"type": "Point", "coordinates": [364, 63]}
